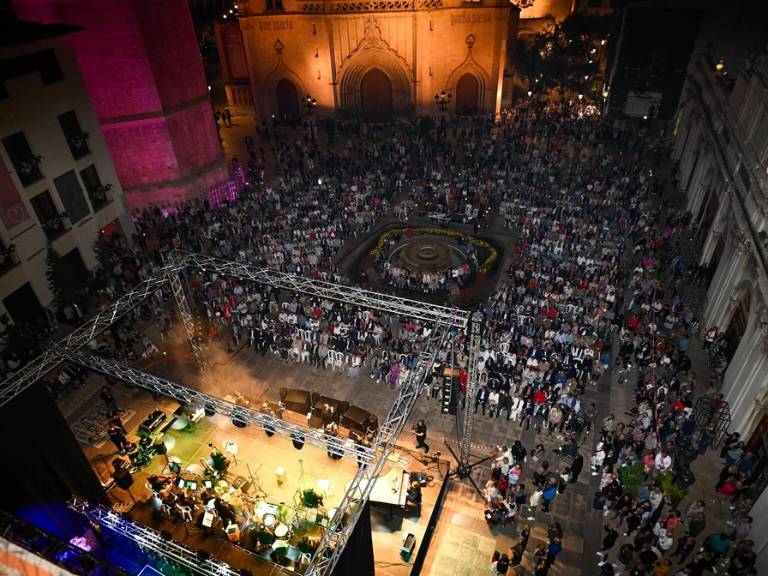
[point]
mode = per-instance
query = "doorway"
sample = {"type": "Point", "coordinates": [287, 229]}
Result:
{"type": "Point", "coordinates": [23, 306]}
{"type": "Point", "coordinates": [467, 95]}
{"type": "Point", "coordinates": [376, 96]}
{"type": "Point", "coordinates": [287, 100]}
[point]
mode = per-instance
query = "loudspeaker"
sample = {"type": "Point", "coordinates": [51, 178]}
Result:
{"type": "Point", "coordinates": [123, 478]}
{"type": "Point", "coordinates": [203, 555]}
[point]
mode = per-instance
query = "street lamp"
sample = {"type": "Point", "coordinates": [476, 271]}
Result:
{"type": "Point", "coordinates": [442, 100]}
{"type": "Point", "coordinates": [310, 103]}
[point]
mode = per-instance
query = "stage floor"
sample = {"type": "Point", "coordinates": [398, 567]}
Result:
{"type": "Point", "coordinates": [261, 456]}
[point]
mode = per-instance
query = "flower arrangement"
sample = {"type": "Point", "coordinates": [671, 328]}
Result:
{"type": "Point", "coordinates": [410, 232]}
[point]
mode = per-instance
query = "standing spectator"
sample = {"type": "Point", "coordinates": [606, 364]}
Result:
{"type": "Point", "coordinates": [420, 430]}
{"type": "Point", "coordinates": [553, 550]}
{"type": "Point", "coordinates": [609, 540]}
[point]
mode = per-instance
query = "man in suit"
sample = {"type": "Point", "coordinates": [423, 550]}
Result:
{"type": "Point", "coordinates": [481, 399]}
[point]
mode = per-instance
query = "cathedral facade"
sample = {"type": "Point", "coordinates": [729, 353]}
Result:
{"type": "Point", "coordinates": [375, 59]}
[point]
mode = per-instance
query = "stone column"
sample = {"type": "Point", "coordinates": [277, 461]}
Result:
{"type": "Point", "coordinates": [687, 123]}
{"type": "Point", "coordinates": [723, 223]}
{"type": "Point", "coordinates": [696, 191]}
{"type": "Point", "coordinates": [729, 271]}
{"type": "Point", "coordinates": [689, 154]}
{"type": "Point", "coordinates": [746, 376]}
{"type": "Point", "coordinates": [759, 532]}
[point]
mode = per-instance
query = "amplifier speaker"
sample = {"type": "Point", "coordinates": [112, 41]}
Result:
{"type": "Point", "coordinates": [123, 478]}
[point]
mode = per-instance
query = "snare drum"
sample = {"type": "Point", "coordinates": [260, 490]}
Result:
{"type": "Point", "coordinates": [281, 531]}
{"type": "Point", "coordinates": [268, 520]}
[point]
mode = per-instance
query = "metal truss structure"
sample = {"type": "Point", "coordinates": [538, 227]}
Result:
{"type": "Point", "coordinates": [174, 279]}
{"type": "Point", "coordinates": [475, 339]}
{"type": "Point", "coordinates": [247, 416]}
{"type": "Point", "coordinates": [149, 539]}
{"type": "Point", "coordinates": [22, 379]}
{"type": "Point", "coordinates": [371, 459]}
{"type": "Point", "coordinates": [432, 313]}
{"type": "Point", "coordinates": [73, 559]}
{"type": "Point", "coordinates": [334, 539]}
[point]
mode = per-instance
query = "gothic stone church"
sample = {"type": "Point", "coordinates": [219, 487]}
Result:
{"type": "Point", "coordinates": [375, 59]}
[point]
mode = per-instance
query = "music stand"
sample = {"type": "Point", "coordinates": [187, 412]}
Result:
{"type": "Point", "coordinates": [231, 447]}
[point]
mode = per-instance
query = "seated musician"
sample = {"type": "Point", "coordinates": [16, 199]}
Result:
{"type": "Point", "coordinates": [225, 512]}
{"type": "Point", "coordinates": [413, 495]}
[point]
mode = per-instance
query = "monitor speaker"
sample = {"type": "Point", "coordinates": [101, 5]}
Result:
{"type": "Point", "coordinates": [123, 478]}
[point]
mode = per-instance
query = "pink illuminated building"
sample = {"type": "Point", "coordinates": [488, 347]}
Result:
{"type": "Point", "coordinates": [142, 69]}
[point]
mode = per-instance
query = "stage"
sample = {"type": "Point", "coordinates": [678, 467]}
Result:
{"type": "Point", "coordinates": [272, 473]}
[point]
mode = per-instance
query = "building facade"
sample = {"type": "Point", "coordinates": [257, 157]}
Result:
{"type": "Point", "coordinates": [376, 60]}
{"type": "Point", "coordinates": [57, 181]}
{"type": "Point", "coordinates": [722, 153]}
{"type": "Point", "coordinates": [142, 68]}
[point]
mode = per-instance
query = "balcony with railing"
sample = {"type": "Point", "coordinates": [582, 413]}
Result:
{"type": "Point", "coordinates": [24, 160]}
{"type": "Point", "coordinates": [8, 258]}
{"type": "Point", "coordinates": [56, 226]}
{"type": "Point", "coordinates": [78, 145]}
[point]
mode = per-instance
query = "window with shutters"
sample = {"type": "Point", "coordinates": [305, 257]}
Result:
{"type": "Point", "coordinates": [77, 140]}
{"type": "Point", "coordinates": [51, 221]}
{"type": "Point", "coordinates": [71, 194]}
{"type": "Point", "coordinates": [26, 162]}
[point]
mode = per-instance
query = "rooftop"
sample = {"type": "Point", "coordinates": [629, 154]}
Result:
{"type": "Point", "coordinates": [20, 32]}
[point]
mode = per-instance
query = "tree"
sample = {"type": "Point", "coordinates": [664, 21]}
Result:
{"type": "Point", "coordinates": [62, 283]}
{"type": "Point", "coordinates": [104, 250]}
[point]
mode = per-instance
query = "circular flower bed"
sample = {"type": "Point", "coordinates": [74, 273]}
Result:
{"type": "Point", "coordinates": [431, 259]}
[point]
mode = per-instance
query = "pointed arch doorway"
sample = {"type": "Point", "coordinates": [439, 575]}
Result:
{"type": "Point", "coordinates": [287, 100]}
{"type": "Point", "coordinates": [467, 95]}
{"type": "Point", "coordinates": [376, 96]}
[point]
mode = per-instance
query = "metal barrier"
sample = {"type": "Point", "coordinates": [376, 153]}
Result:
{"type": "Point", "coordinates": [705, 413]}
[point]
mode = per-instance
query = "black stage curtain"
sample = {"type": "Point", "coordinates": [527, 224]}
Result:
{"type": "Point", "coordinates": [42, 460]}
{"type": "Point", "coordinates": [357, 557]}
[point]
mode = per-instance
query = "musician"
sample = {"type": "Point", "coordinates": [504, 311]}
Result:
{"type": "Point", "coordinates": [413, 495]}
{"type": "Point", "coordinates": [117, 436]}
{"type": "Point", "coordinates": [420, 430]}
{"type": "Point", "coordinates": [332, 429]}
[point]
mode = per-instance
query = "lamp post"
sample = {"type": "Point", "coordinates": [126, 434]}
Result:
{"type": "Point", "coordinates": [442, 101]}
{"type": "Point", "coordinates": [310, 104]}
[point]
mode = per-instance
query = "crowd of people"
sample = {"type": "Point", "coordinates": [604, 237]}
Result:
{"type": "Point", "coordinates": [595, 265]}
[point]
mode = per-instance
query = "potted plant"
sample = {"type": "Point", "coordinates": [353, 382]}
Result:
{"type": "Point", "coordinates": [219, 462]}
{"type": "Point", "coordinates": [310, 498]}
{"type": "Point", "coordinates": [670, 488]}
{"type": "Point", "coordinates": [79, 143]}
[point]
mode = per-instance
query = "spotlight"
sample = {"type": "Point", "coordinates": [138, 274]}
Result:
{"type": "Point", "coordinates": [203, 556]}
{"type": "Point", "coordinates": [210, 409]}
{"type": "Point", "coordinates": [239, 420]}
{"type": "Point", "coordinates": [298, 440]}
{"type": "Point", "coordinates": [165, 535]}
